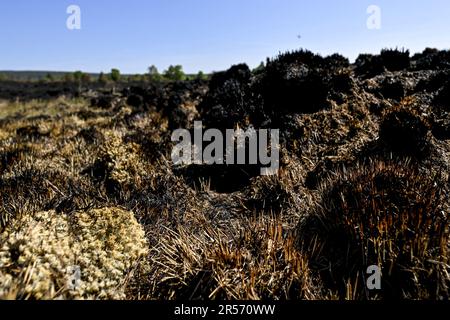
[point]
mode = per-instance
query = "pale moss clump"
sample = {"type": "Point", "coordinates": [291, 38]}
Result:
{"type": "Point", "coordinates": [121, 159]}
{"type": "Point", "coordinates": [39, 255]}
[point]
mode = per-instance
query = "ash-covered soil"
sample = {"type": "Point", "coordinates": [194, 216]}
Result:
{"type": "Point", "coordinates": [87, 183]}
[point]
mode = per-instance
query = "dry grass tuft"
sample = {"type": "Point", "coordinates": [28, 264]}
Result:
{"type": "Point", "coordinates": [385, 214]}
{"type": "Point", "coordinates": [255, 259]}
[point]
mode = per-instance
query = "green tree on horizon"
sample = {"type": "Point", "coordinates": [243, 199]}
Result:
{"type": "Point", "coordinates": [153, 74]}
{"type": "Point", "coordinates": [201, 75]}
{"type": "Point", "coordinates": [115, 75]}
{"type": "Point", "coordinates": [175, 73]}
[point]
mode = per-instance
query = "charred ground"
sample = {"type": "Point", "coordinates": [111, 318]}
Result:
{"type": "Point", "coordinates": [86, 180]}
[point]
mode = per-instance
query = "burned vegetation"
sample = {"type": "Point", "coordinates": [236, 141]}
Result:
{"type": "Point", "coordinates": [92, 206]}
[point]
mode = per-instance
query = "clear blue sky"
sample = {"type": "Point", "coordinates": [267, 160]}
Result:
{"type": "Point", "coordinates": [206, 34]}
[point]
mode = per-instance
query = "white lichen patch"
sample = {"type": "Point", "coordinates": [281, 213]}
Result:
{"type": "Point", "coordinates": [121, 159]}
{"type": "Point", "coordinates": [83, 256]}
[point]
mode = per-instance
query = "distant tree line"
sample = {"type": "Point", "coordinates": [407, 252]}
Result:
{"type": "Point", "coordinates": [172, 73]}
